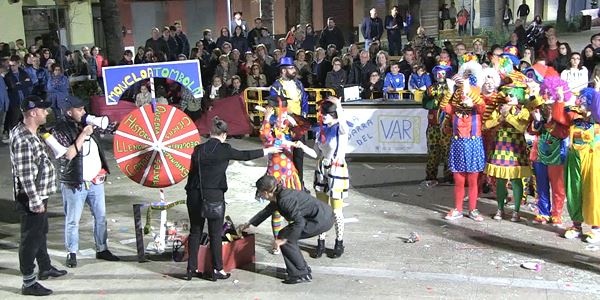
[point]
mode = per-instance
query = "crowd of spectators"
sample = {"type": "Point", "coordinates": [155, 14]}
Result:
{"type": "Point", "coordinates": [250, 56]}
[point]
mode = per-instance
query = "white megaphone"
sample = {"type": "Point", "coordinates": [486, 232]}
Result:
{"type": "Point", "coordinates": [101, 122]}
{"type": "Point", "coordinates": [58, 149]}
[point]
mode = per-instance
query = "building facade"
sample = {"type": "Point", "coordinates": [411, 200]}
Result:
{"type": "Point", "coordinates": [78, 22]}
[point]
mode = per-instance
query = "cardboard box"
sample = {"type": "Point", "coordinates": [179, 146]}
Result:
{"type": "Point", "coordinates": [235, 254]}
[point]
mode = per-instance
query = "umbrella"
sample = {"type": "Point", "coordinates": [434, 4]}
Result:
{"type": "Point", "coordinates": [154, 148]}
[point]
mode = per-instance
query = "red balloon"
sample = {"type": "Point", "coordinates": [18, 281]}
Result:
{"type": "Point", "coordinates": [154, 148]}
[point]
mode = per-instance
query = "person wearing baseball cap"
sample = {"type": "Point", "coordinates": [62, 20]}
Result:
{"type": "Point", "coordinates": [83, 172]}
{"type": "Point", "coordinates": [33, 102]}
{"type": "Point", "coordinates": [34, 180]}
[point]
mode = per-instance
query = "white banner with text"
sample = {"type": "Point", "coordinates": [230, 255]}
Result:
{"type": "Point", "coordinates": [387, 130]}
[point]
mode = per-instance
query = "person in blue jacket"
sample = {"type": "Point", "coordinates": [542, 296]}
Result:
{"type": "Point", "coordinates": [419, 80]}
{"type": "Point", "coordinates": [393, 82]}
{"type": "Point", "coordinates": [57, 88]}
{"type": "Point", "coordinates": [4, 101]}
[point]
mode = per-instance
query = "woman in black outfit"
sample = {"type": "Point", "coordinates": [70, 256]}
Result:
{"type": "Point", "coordinates": [207, 181]}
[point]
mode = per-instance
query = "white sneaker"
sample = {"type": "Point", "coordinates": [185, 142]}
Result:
{"type": "Point", "coordinates": [515, 217]}
{"type": "Point", "coordinates": [572, 233]}
{"type": "Point", "coordinates": [453, 214]}
{"type": "Point", "coordinates": [498, 215]}
{"type": "Point", "coordinates": [592, 237]}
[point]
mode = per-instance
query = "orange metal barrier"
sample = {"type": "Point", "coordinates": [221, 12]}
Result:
{"type": "Point", "coordinates": [258, 96]}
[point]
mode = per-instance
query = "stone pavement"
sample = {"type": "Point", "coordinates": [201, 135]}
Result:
{"type": "Point", "coordinates": [454, 260]}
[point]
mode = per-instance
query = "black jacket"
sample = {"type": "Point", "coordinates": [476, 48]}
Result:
{"type": "Point", "coordinates": [173, 48]}
{"type": "Point", "coordinates": [320, 71]}
{"type": "Point", "coordinates": [159, 45]}
{"type": "Point", "coordinates": [373, 91]}
{"type": "Point", "coordinates": [360, 74]}
{"type": "Point", "coordinates": [71, 171]}
{"type": "Point", "coordinates": [333, 36]}
{"type": "Point", "coordinates": [210, 160]}
{"type": "Point", "coordinates": [15, 84]}
{"type": "Point", "coordinates": [390, 21]}
{"type": "Point", "coordinates": [299, 209]}
{"type": "Point", "coordinates": [240, 43]}
{"type": "Point", "coordinates": [336, 81]}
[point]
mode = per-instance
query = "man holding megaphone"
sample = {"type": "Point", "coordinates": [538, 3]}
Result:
{"type": "Point", "coordinates": [83, 170]}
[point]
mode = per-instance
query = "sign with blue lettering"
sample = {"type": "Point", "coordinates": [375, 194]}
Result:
{"type": "Point", "coordinates": [389, 131]}
{"type": "Point", "coordinates": [118, 79]}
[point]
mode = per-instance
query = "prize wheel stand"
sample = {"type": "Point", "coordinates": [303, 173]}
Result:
{"type": "Point", "coordinates": [153, 147]}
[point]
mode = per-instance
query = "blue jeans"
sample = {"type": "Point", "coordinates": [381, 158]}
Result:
{"type": "Point", "coordinates": [368, 43]}
{"type": "Point", "coordinates": [73, 201]}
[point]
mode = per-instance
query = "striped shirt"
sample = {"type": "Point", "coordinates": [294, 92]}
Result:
{"type": "Point", "coordinates": [33, 172]}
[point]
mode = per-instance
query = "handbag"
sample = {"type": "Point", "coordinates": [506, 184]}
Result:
{"type": "Point", "coordinates": [210, 209]}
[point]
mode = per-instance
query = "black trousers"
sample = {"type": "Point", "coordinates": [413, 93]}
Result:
{"type": "Point", "coordinates": [215, 228]}
{"type": "Point", "coordinates": [33, 246]}
{"type": "Point", "coordinates": [395, 45]}
{"type": "Point", "coordinates": [298, 159]}
{"type": "Point", "coordinates": [294, 261]}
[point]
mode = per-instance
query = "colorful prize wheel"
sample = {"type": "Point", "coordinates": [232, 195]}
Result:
{"type": "Point", "coordinates": [155, 148]}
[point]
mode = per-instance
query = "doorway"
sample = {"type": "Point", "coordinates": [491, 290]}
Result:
{"type": "Point", "coordinates": [46, 22]}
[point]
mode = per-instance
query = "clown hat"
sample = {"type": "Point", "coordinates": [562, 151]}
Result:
{"type": "Point", "coordinates": [286, 62]}
{"type": "Point", "coordinates": [442, 66]}
{"type": "Point", "coordinates": [513, 59]}
{"type": "Point", "coordinates": [586, 95]}
{"type": "Point", "coordinates": [533, 74]}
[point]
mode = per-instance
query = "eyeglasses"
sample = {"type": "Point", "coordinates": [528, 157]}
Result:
{"type": "Point", "coordinates": [375, 75]}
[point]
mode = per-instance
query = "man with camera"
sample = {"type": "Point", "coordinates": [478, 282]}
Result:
{"type": "Point", "coordinates": [83, 170]}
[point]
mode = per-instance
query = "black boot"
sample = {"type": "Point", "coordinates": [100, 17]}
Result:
{"type": "Point", "coordinates": [71, 260]}
{"type": "Point", "coordinates": [338, 250]}
{"type": "Point", "coordinates": [320, 248]}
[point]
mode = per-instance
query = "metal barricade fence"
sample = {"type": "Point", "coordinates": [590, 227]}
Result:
{"type": "Point", "coordinates": [403, 95]}
{"type": "Point", "coordinates": [254, 96]}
